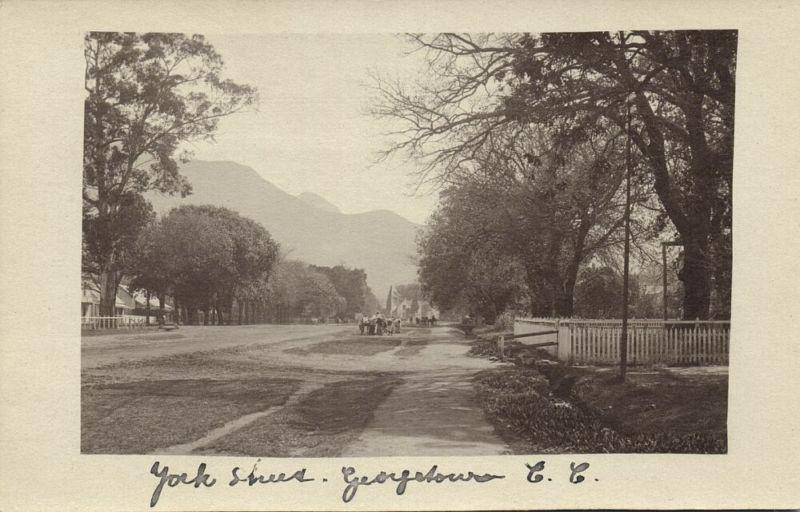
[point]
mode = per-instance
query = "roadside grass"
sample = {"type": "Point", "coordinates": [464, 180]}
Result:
{"type": "Point", "coordinates": [353, 346]}
{"type": "Point", "coordinates": [658, 401]}
{"type": "Point", "coordinates": [142, 416]}
{"type": "Point", "coordinates": [208, 365]}
{"type": "Point", "coordinates": [558, 409]}
{"type": "Point", "coordinates": [412, 347]}
{"type": "Point", "coordinates": [321, 424]}
{"type": "Point", "coordinates": [485, 345]}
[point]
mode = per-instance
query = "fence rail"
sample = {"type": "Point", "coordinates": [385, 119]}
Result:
{"type": "Point", "coordinates": [93, 323]}
{"type": "Point", "coordinates": [592, 341]}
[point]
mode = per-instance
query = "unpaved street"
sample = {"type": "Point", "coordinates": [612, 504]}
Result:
{"type": "Point", "coordinates": [270, 390]}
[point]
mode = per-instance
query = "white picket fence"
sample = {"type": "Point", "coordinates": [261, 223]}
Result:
{"type": "Point", "coordinates": [582, 341]}
{"type": "Point", "coordinates": [93, 323]}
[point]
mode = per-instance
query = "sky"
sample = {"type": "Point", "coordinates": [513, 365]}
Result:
{"type": "Point", "coordinates": [312, 131]}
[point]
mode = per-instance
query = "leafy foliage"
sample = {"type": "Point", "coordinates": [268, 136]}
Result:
{"type": "Point", "coordinates": [351, 285]}
{"type": "Point", "coordinates": [520, 400]}
{"type": "Point", "coordinates": [299, 290]}
{"type": "Point", "coordinates": [677, 88]}
{"type": "Point", "coordinates": [146, 95]}
{"type": "Point", "coordinates": [206, 256]}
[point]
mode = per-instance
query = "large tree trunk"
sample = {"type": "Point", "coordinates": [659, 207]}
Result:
{"type": "Point", "coordinates": [687, 206]}
{"type": "Point", "coordinates": [109, 281]}
{"type": "Point", "coordinates": [696, 278]}
{"type": "Point", "coordinates": [566, 302]}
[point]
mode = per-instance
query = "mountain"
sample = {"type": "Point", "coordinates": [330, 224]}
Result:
{"type": "Point", "coordinates": [316, 201]}
{"type": "Point", "coordinates": [311, 229]}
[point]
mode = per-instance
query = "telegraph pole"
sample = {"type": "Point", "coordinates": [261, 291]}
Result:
{"type": "Point", "coordinates": [623, 342]}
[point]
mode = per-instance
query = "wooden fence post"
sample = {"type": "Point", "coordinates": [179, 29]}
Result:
{"type": "Point", "coordinates": [564, 338]}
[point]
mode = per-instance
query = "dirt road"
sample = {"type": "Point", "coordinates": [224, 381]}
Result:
{"type": "Point", "coordinates": [133, 346]}
{"type": "Point", "coordinates": [283, 391]}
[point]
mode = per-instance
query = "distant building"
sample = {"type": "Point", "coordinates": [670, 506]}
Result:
{"type": "Point", "coordinates": [90, 300]}
{"type": "Point", "coordinates": [127, 303]}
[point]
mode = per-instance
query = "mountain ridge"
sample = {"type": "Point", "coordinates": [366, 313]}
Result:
{"type": "Point", "coordinates": [317, 201]}
{"type": "Point", "coordinates": [381, 242]}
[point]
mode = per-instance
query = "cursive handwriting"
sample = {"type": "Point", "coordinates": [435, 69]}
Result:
{"type": "Point", "coordinates": [432, 476]}
{"type": "Point", "coordinates": [201, 478]}
{"type": "Point", "coordinates": [254, 477]}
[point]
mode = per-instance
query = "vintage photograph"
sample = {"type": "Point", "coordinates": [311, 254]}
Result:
{"type": "Point", "coordinates": [434, 244]}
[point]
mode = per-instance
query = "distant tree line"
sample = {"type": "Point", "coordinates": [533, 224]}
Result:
{"type": "Point", "coordinates": [146, 96]}
{"type": "Point", "coordinates": [528, 136]}
{"type": "Point", "coordinates": [221, 268]}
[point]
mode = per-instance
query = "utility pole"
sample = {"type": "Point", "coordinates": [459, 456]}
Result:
{"type": "Point", "coordinates": [664, 277]}
{"type": "Point", "coordinates": [623, 342]}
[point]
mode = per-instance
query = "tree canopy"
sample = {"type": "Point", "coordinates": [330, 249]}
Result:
{"type": "Point", "coordinates": [146, 95]}
{"type": "Point", "coordinates": [206, 256]}
{"type": "Point", "coordinates": [676, 88]}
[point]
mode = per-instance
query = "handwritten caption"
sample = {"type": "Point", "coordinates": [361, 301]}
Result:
{"type": "Point", "coordinates": [351, 480]}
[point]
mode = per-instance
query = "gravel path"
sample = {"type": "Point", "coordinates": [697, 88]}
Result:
{"type": "Point", "coordinates": [435, 411]}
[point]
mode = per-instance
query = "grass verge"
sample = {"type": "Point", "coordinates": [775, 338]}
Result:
{"type": "Point", "coordinates": [564, 410]}
{"type": "Point", "coordinates": [351, 347]}
{"type": "Point", "coordinates": [142, 416]}
{"type": "Point", "coordinates": [412, 347]}
{"type": "Point", "coordinates": [319, 425]}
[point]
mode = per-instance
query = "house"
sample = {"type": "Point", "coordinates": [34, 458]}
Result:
{"type": "Point", "coordinates": [90, 300]}
{"type": "Point", "coordinates": [127, 304]}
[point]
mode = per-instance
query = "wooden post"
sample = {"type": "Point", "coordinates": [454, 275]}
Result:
{"type": "Point", "coordinates": [623, 340]}
{"type": "Point", "coordinates": [564, 338]}
{"type": "Point", "coordinates": [664, 276]}
{"type": "Point", "coordinates": [501, 342]}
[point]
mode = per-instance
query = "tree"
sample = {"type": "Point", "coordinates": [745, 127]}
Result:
{"type": "Point", "coordinates": [146, 95]}
{"type": "Point", "coordinates": [680, 88]}
{"type": "Point", "coordinates": [132, 214]}
{"type": "Point", "coordinates": [549, 199]}
{"type": "Point", "coordinates": [205, 256]}
{"type": "Point", "coordinates": [297, 290]}
{"type": "Point", "coordinates": [253, 257]}
{"type": "Point", "coordinates": [351, 285]}
{"type": "Point", "coordinates": [463, 264]}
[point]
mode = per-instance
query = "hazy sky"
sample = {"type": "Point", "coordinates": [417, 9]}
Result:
{"type": "Point", "coordinates": [311, 132]}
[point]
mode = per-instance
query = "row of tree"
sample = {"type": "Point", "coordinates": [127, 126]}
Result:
{"type": "Point", "coordinates": [147, 95]}
{"type": "Point", "coordinates": [530, 136]}
{"type": "Point", "coordinates": [215, 263]}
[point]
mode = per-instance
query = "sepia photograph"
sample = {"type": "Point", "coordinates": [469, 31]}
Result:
{"type": "Point", "coordinates": [424, 244]}
{"type": "Point", "coordinates": [365, 255]}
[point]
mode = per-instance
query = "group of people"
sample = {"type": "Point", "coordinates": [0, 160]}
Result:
{"type": "Point", "coordinates": [426, 321]}
{"type": "Point", "coordinates": [377, 324]}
